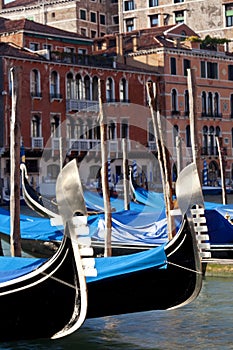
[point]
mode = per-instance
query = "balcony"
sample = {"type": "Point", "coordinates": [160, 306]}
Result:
{"type": "Point", "coordinates": [82, 105]}
{"type": "Point", "coordinates": [211, 115]}
{"type": "Point", "coordinates": [83, 60]}
{"type": "Point", "coordinates": [36, 95]}
{"type": "Point", "coordinates": [152, 146]}
{"type": "Point", "coordinates": [55, 96]}
{"type": "Point", "coordinates": [83, 145]}
{"type": "Point", "coordinates": [38, 142]}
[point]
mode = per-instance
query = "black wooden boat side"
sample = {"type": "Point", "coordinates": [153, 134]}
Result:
{"type": "Point", "coordinates": [50, 301]}
{"type": "Point", "coordinates": [153, 288]}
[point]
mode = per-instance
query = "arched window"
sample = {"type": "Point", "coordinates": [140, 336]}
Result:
{"type": "Point", "coordinates": [95, 89]}
{"type": "Point", "coordinates": [210, 104]}
{"type": "Point", "coordinates": [203, 104]}
{"type": "Point", "coordinates": [174, 101]}
{"type": "Point", "coordinates": [123, 90]}
{"type": "Point", "coordinates": [151, 135]}
{"type": "Point", "coordinates": [78, 87]}
{"type": "Point", "coordinates": [124, 129]}
{"type": "Point", "coordinates": [231, 105]}
{"type": "Point", "coordinates": [216, 105]}
{"type": "Point", "coordinates": [54, 85]}
{"type": "Point", "coordinates": [188, 136]}
{"type": "Point", "coordinates": [212, 140]}
{"type": "Point", "coordinates": [35, 83]}
{"type": "Point", "coordinates": [80, 129]}
{"type": "Point", "coordinates": [55, 126]}
{"type": "Point", "coordinates": [89, 130]}
{"type": "Point", "coordinates": [97, 132]}
{"type": "Point", "coordinates": [218, 131]}
{"type": "Point", "coordinates": [186, 102]}
{"type": "Point", "coordinates": [70, 88]}
{"type": "Point", "coordinates": [205, 140]}
{"type": "Point", "coordinates": [87, 88]}
{"type": "Point", "coordinates": [175, 133]}
{"type": "Point", "coordinates": [111, 130]}
{"type": "Point", "coordinates": [109, 90]}
{"type": "Point", "coordinates": [36, 126]}
{"type": "Point", "coordinates": [53, 171]}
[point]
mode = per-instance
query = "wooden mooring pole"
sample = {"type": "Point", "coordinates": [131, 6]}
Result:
{"type": "Point", "coordinates": [15, 138]}
{"type": "Point", "coordinates": [104, 175]}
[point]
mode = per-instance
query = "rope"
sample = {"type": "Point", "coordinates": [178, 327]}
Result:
{"type": "Point", "coordinates": [59, 280]}
{"type": "Point", "coordinates": [184, 268]}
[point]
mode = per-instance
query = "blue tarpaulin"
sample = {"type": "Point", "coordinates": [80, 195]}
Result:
{"type": "Point", "coordinates": [118, 265]}
{"type": "Point", "coordinates": [13, 267]}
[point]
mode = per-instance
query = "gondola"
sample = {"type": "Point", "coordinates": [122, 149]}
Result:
{"type": "Point", "coordinates": [42, 205]}
{"type": "Point", "coordinates": [42, 298]}
{"type": "Point", "coordinates": [55, 299]}
{"type": "Point", "coordinates": [160, 278]}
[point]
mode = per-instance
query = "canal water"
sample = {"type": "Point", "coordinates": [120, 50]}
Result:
{"type": "Point", "coordinates": [204, 324]}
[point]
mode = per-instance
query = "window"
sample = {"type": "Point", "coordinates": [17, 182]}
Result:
{"type": "Point", "coordinates": [216, 105]}
{"type": "Point", "coordinates": [154, 20]}
{"type": "Point", "coordinates": [129, 5]}
{"type": "Point", "coordinates": [173, 65]}
{"type": "Point", "coordinates": [111, 130]}
{"type": "Point", "coordinates": [34, 46]}
{"type": "Point", "coordinates": [70, 86]}
{"type": "Point", "coordinates": [93, 33]}
{"type": "Point", "coordinates": [47, 47]}
{"type": "Point", "coordinates": [124, 129]}
{"type": "Point", "coordinates": [229, 15]}
{"type": "Point", "coordinates": [93, 17]}
{"type": "Point", "coordinates": [203, 69]}
{"type": "Point", "coordinates": [123, 90]}
{"type": "Point", "coordinates": [179, 16]}
{"type": "Point", "coordinates": [231, 105]}
{"type": "Point", "coordinates": [210, 104]}
{"type": "Point", "coordinates": [175, 134]}
{"type": "Point", "coordinates": [83, 15]}
{"type": "Point", "coordinates": [178, 1]}
{"type": "Point", "coordinates": [87, 86]}
{"type": "Point", "coordinates": [95, 89]}
{"type": "Point", "coordinates": [115, 19]}
{"type": "Point", "coordinates": [205, 140]}
{"type": "Point", "coordinates": [186, 66]}
{"type": "Point", "coordinates": [212, 70]}
{"type": "Point", "coordinates": [36, 126]}
{"type": "Point", "coordinates": [35, 83]}
{"type": "Point", "coordinates": [54, 85]}
{"type": "Point", "coordinates": [109, 90]}
{"type": "Point", "coordinates": [209, 70]}
{"type": "Point", "coordinates": [53, 171]}
{"type": "Point", "coordinates": [78, 87]}
{"type": "Point", "coordinates": [82, 51]}
{"type": "Point", "coordinates": [54, 126]}
{"type": "Point", "coordinates": [129, 24]}
{"type": "Point", "coordinates": [186, 102]}
{"type": "Point", "coordinates": [83, 31]}
{"type": "Point", "coordinates": [102, 19]}
{"type": "Point", "coordinates": [188, 136]}
{"type": "Point", "coordinates": [174, 101]}
{"type": "Point", "coordinates": [153, 3]}
{"type": "Point", "coordinates": [230, 72]}
{"type": "Point", "coordinates": [203, 103]}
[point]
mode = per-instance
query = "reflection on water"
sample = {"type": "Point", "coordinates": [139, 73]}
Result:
{"type": "Point", "coordinates": [206, 323]}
